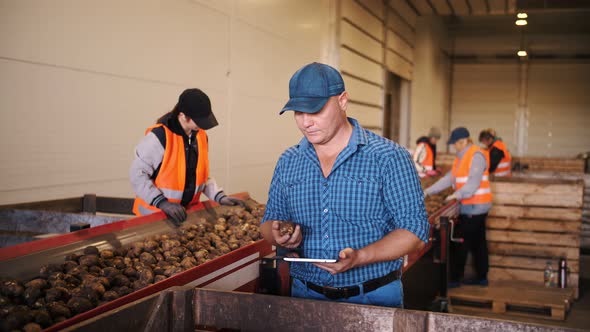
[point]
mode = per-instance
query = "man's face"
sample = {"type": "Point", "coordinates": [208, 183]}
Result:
{"type": "Point", "coordinates": [460, 144]}
{"type": "Point", "coordinates": [319, 128]}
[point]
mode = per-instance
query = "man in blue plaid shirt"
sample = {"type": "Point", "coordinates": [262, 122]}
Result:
{"type": "Point", "coordinates": [352, 194]}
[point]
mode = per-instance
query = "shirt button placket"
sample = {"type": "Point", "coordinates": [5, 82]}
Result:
{"type": "Point", "coordinates": [325, 199]}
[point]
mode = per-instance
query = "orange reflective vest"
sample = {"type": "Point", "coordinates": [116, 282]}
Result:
{"type": "Point", "coordinates": [428, 162]}
{"type": "Point", "coordinates": [171, 177]}
{"type": "Point", "coordinates": [460, 172]}
{"type": "Point", "coordinates": [504, 167]}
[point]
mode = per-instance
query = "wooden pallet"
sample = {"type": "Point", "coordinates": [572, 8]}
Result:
{"type": "Point", "coordinates": [514, 298]}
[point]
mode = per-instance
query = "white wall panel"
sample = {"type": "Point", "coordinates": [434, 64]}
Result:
{"type": "Point", "coordinates": [352, 37]}
{"type": "Point", "coordinates": [141, 39]}
{"type": "Point", "coordinates": [485, 95]}
{"type": "Point", "coordinates": [558, 106]}
{"type": "Point", "coordinates": [359, 66]}
{"type": "Point", "coordinates": [355, 13]}
{"type": "Point", "coordinates": [363, 92]}
{"type": "Point", "coordinates": [86, 78]}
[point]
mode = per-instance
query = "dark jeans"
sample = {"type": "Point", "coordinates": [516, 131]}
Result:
{"type": "Point", "coordinates": [472, 228]}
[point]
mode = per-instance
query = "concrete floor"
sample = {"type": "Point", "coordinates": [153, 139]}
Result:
{"type": "Point", "coordinates": [578, 317]}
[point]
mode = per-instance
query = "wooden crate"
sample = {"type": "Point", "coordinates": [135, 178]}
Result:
{"type": "Point", "coordinates": [533, 221]}
{"type": "Point", "coordinates": [514, 298]}
{"type": "Point", "coordinates": [567, 165]}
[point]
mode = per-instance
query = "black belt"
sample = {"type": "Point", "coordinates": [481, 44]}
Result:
{"type": "Point", "coordinates": [335, 293]}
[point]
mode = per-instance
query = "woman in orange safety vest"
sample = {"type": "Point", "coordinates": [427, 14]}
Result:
{"type": "Point", "coordinates": [171, 165]}
{"type": "Point", "coordinates": [425, 154]}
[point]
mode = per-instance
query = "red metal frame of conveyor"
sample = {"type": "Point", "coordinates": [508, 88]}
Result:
{"type": "Point", "coordinates": [60, 240]}
{"type": "Point", "coordinates": [450, 209]}
{"type": "Point", "coordinates": [246, 256]}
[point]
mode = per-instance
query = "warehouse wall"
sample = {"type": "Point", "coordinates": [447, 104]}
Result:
{"type": "Point", "coordinates": [538, 105]}
{"type": "Point", "coordinates": [559, 105]}
{"type": "Point", "coordinates": [484, 96]}
{"type": "Point", "coordinates": [431, 84]}
{"type": "Point", "coordinates": [81, 80]}
{"type": "Point", "coordinates": [375, 36]}
{"type": "Point", "coordinates": [554, 97]}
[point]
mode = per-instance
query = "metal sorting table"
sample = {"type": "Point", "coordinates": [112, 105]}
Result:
{"type": "Point", "coordinates": [236, 270]}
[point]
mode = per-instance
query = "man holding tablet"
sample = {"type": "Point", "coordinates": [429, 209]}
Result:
{"type": "Point", "coordinates": [354, 196]}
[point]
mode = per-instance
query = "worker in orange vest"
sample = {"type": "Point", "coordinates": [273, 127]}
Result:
{"type": "Point", "coordinates": [425, 155]}
{"type": "Point", "coordinates": [171, 165]}
{"type": "Point", "coordinates": [500, 158]}
{"type": "Point", "coordinates": [469, 178]}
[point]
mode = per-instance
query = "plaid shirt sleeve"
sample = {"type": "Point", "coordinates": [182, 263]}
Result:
{"type": "Point", "coordinates": [276, 206]}
{"type": "Point", "coordinates": [403, 195]}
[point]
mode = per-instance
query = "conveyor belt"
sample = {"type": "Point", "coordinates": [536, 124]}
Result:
{"type": "Point", "coordinates": [23, 261]}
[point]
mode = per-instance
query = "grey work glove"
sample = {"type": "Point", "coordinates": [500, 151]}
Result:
{"type": "Point", "coordinates": [226, 200]}
{"type": "Point", "coordinates": [174, 211]}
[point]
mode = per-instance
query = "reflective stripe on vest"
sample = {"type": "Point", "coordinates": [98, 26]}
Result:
{"type": "Point", "coordinates": [463, 179]}
{"type": "Point", "coordinates": [504, 167]}
{"type": "Point", "coordinates": [460, 172]}
{"type": "Point", "coordinates": [172, 175]}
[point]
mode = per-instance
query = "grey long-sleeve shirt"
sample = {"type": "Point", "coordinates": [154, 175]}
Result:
{"type": "Point", "coordinates": [478, 166]}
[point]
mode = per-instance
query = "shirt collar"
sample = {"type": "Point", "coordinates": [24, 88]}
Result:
{"type": "Point", "coordinates": [358, 137]}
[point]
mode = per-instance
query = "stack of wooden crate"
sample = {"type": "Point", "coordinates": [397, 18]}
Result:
{"type": "Point", "coordinates": [544, 164]}
{"type": "Point", "coordinates": [444, 160]}
{"type": "Point", "coordinates": [534, 221]}
{"type": "Point", "coordinates": [585, 235]}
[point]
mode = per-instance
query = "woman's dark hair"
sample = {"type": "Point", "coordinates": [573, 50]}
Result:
{"type": "Point", "coordinates": [485, 135]}
{"type": "Point", "coordinates": [175, 111]}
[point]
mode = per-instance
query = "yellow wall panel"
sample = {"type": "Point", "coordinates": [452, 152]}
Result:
{"type": "Point", "coordinates": [359, 66]}
{"type": "Point", "coordinates": [363, 92]}
{"type": "Point", "coordinates": [359, 16]}
{"type": "Point", "coordinates": [367, 116]}
{"type": "Point", "coordinates": [359, 41]}
{"type": "Point", "coordinates": [398, 65]}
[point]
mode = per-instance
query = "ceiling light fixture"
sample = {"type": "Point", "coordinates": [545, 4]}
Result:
{"type": "Point", "coordinates": [522, 15]}
{"type": "Point", "coordinates": [521, 22]}
{"type": "Point", "coordinates": [521, 53]}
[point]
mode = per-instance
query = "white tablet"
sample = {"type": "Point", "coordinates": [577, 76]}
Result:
{"type": "Point", "coordinates": [311, 256]}
{"type": "Point", "coordinates": [310, 260]}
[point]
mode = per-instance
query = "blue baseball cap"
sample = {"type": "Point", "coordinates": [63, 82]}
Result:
{"type": "Point", "coordinates": [312, 86]}
{"type": "Point", "coordinates": [457, 134]}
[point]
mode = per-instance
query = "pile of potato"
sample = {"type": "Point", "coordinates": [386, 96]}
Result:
{"type": "Point", "coordinates": [434, 202]}
{"type": "Point", "coordinates": [91, 278]}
